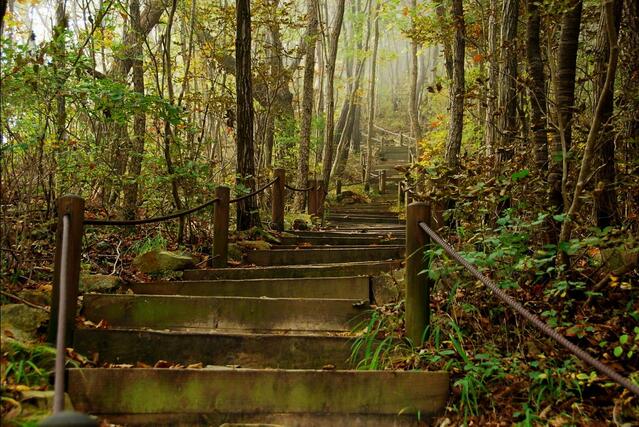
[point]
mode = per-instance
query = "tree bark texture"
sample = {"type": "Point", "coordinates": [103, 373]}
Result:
{"type": "Point", "coordinates": [456, 127]}
{"type": "Point", "coordinates": [605, 194]}
{"type": "Point", "coordinates": [508, 80]}
{"type": "Point", "coordinates": [247, 213]}
{"type": "Point", "coordinates": [537, 88]}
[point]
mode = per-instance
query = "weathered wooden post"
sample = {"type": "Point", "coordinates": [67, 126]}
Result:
{"type": "Point", "coordinates": [338, 187]}
{"type": "Point", "coordinates": [221, 227]}
{"type": "Point", "coordinates": [312, 197]}
{"type": "Point", "coordinates": [417, 285]}
{"type": "Point", "coordinates": [69, 254]}
{"type": "Point", "coordinates": [321, 196]}
{"type": "Point", "coordinates": [277, 208]}
{"type": "Point", "coordinates": [400, 194]}
{"type": "Point", "coordinates": [382, 181]}
{"type": "Point", "coordinates": [401, 139]}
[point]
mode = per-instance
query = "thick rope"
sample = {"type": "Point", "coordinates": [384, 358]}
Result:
{"type": "Point", "coordinates": [538, 323]}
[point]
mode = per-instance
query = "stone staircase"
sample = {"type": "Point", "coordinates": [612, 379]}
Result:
{"type": "Point", "coordinates": [268, 344]}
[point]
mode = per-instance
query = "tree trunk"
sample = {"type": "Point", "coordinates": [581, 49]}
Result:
{"type": "Point", "coordinates": [537, 89]}
{"type": "Point", "coordinates": [490, 137]}
{"type": "Point", "coordinates": [605, 194]}
{"type": "Point", "coordinates": [594, 133]}
{"type": "Point", "coordinates": [413, 107]}
{"type": "Point", "coordinates": [307, 104]}
{"type": "Point", "coordinates": [507, 84]}
{"type": "Point", "coordinates": [371, 103]}
{"type": "Point", "coordinates": [247, 213]}
{"type": "Point", "coordinates": [139, 121]}
{"type": "Point", "coordinates": [564, 101]}
{"type": "Point", "coordinates": [333, 42]}
{"type": "Point", "coordinates": [453, 143]}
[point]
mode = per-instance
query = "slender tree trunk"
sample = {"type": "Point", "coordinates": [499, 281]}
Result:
{"type": "Point", "coordinates": [453, 143]}
{"type": "Point", "coordinates": [371, 103]}
{"type": "Point", "coordinates": [413, 107]}
{"type": "Point", "coordinates": [307, 103]}
{"type": "Point", "coordinates": [605, 194]}
{"type": "Point", "coordinates": [493, 78]}
{"type": "Point", "coordinates": [139, 121]}
{"type": "Point", "coordinates": [564, 100]}
{"type": "Point", "coordinates": [356, 134]}
{"type": "Point", "coordinates": [448, 54]}
{"type": "Point", "coordinates": [507, 86]}
{"type": "Point", "coordinates": [537, 89]}
{"type": "Point", "coordinates": [247, 213]}
{"type": "Point", "coordinates": [333, 42]}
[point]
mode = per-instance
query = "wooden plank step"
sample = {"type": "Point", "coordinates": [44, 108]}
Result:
{"type": "Point", "coordinates": [341, 240]}
{"type": "Point", "coordinates": [358, 226]}
{"type": "Point", "coordinates": [215, 396]}
{"type": "Point", "coordinates": [224, 313]}
{"type": "Point", "coordinates": [372, 268]}
{"type": "Point", "coordinates": [382, 233]}
{"type": "Point", "coordinates": [390, 219]}
{"type": "Point", "coordinates": [324, 255]}
{"type": "Point", "coordinates": [299, 351]}
{"type": "Point", "coordinates": [348, 287]}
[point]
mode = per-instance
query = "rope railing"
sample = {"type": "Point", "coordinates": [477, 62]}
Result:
{"type": "Point", "coordinates": [184, 212]}
{"type": "Point", "coordinates": [519, 308]}
{"type": "Point", "coordinates": [254, 193]}
{"type": "Point", "coordinates": [301, 190]}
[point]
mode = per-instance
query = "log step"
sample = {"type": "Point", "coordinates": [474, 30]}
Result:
{"type": "Point", "coordinates": [299, 351]}
{"type": "Point", "coordinates": [216, 396]}
{"type": "Point", "coordinates": [224, 313]}
{"type": "Point", "coordinates": [324, 255]}
{"type": "Point", "coordinates": [349, 287]}
{"type": "Point", "coordinates": [372, 268]}
{"type": "Point", "coordinates": [388, 219]}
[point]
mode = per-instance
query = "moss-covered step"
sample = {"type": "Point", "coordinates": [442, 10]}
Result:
{"type": "Point", "coordinates": [341, 240]}
{"type": "Point", "coordinates": [324, 255]}
{"type": "Point", "coordinates": [215, 396]}
{"type": "Point", "coordinates": [372, 268]}
{"type": "Point", "coordinates": [349, 287]}
{"type": "Point", "coordinates": [357, 232]}
{"type": "Point", "coordinates": [224, 313]}
{"type": "Point", "coordinates": [377, 219]}
{"type": "Point", "coordinates": [299, 351]}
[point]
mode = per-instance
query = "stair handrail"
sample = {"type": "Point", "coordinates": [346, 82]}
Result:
{"type": "Point", "coordinates": [419, 218]}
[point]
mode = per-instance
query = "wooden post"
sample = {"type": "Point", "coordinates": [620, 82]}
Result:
{"type": "Point", "coordinates": [74, 207]}
{"type": "Point", "coordinates": [417, 314]}
{"type": "Point", "coordinates": [277, 208]}
{"type": "Point", "coordinates": [338, 187]}
{"type": "Point", "coordinates": [221, 227]}
{"type": "Point", "coordinates": [400, 194]}
{"type": "Point", "coordinates": [321, 196]}
{"type": "Point", "coordinates": [312, 197]}
{"type": "Point", "coordinates": [401, 139]}
{"type": "Point", "coordinates": [382, 181]}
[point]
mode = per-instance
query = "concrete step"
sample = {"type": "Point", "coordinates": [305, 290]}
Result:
{"type": "Point", "coordinates": [304, 256]}
{"type": "Point", "coordinates": [341, 240]}
{"type": "Point", "coordinates": [371, 268]}
{"type": "Point", "coordinates": [350, 287]}
{"type": "Point", "coordinates": [287, 397]}
{"type": "Point", "coordinates": [224, 313]}
{"type": "Point", "coordinates": [284, 351]}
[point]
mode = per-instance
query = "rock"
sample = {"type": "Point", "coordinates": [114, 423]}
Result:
{"type": "Point", "coordinates": [259, 245]}
{"type": "Point", "coordinates": [99, 283]}
{"type": "Point", "coordinates": [35, 296]}
{"type": "Point", "coordinates": [21, 322]}
{"type": "Point", "coordinates": [158, 261]}
{"type": "Point", "coordinates": [300, 224]}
